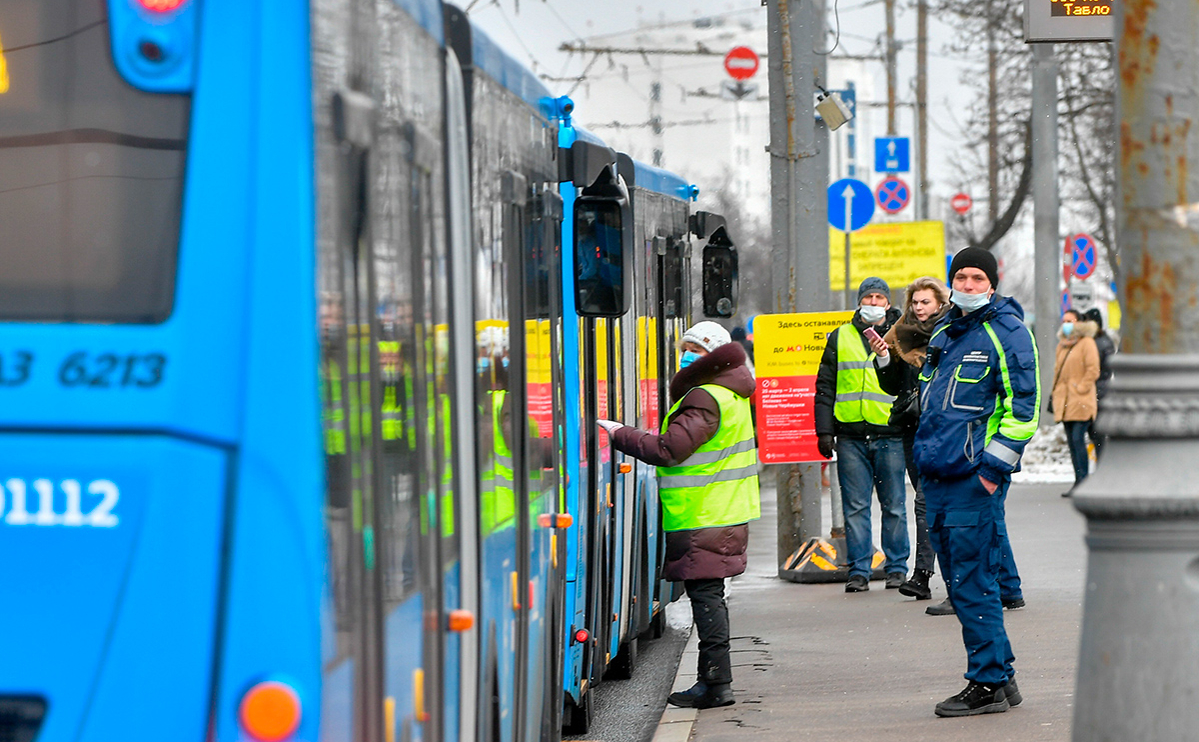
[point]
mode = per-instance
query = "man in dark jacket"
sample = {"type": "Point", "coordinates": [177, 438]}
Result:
{"type": "Point", "coordinates": [708, 488]}
{"type": "Point", "coordinates": [851, 407]}
{"type": "Point", "coordinates": [980, 400]}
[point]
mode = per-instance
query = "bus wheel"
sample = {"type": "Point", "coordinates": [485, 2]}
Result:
{"type": "Point", "coordinates": [625, 661]}
{"type": "Point", "coordinates": [576, 718]}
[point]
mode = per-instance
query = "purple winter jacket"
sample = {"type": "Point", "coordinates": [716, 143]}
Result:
{"type": "Point", "coordinates": [700, 553]}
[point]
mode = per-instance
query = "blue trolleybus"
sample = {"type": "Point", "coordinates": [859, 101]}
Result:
{"type": "Point", "coordinates": [307, 311]}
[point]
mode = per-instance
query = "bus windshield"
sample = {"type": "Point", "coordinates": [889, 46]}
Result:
{"type": "Point", "coordinates": [91, 173]}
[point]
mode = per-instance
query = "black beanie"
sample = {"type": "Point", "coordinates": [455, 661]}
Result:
{"type": "Point", "coordinates": [976, 257]}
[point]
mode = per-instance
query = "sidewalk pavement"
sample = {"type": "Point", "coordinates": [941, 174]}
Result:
{"type": "Point", "coordinates": [813, 662]}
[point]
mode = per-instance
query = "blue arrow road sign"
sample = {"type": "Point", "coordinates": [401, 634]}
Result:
{"type": "Point", "coordinates": [891, 155]}
{"type": "Point", "coordinates": [1084, 255]}
{"type": "Point", "coordinates": [850, 202]}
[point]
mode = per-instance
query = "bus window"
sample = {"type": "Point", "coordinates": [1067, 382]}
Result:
{"type": "Point", "coordinates": [91, 173]}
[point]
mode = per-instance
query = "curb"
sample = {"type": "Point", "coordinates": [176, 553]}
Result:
{"type": "Point", "coordinates": [677, 724]}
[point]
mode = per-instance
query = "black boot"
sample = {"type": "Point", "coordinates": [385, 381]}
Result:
{"type": "Point", "coordinates": [944, 608]}
{"type": "Point", "coordinates": [1012, 692]}
{"type": "Point", "coordinates": [703, 696]}
{"type": "Point", "coordinates": [977, 698]}
{"type": "Point", "coordinates": [917, 585]}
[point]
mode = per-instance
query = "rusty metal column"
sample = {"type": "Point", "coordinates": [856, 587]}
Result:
{"type": "Point", "coordinates": [1140, 633]}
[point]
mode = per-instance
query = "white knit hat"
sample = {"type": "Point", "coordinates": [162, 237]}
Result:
{"type": "Point", "coordinates": [707, 335]}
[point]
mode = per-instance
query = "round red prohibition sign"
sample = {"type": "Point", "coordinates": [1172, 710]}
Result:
{"type": "Point", "coordinates": [961, 202]}
{"type": "Point", "coordinates": [741, 63]}
{"type": "Point", "coordinates": [893, 195]}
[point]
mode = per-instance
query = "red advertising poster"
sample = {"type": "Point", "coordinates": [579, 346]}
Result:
{"type": "Point", "coordinates": [787, 351]}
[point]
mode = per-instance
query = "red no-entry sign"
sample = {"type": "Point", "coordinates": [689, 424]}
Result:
{"type": "Point", "coordinates": [961, 202]}
{"type": "Point", "coordinates": [741, 63]}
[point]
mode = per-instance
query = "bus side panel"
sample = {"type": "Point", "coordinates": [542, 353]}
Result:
{"type": "Point", "coordinates": [276, 549]}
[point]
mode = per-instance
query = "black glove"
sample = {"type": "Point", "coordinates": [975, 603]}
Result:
{"type": "Point", "coordinates": [824, 444]}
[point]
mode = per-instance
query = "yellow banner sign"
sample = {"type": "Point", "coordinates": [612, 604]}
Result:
{"type": "Point", "coordinates": [898, 253]}
{"type": "Point", "coordinates": [791, 344]}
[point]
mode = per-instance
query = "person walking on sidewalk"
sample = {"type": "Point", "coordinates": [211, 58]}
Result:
{"type": "Point", "coordinates": [708, 485]}
{"type": "Point", "coordinates": [1107, 348]}
{"type": "Point", "coordinates": [853, 417]}
{"type": "Point", "coordinates": [925, 302]}
{"type": "Point", "coordinates": [1075, 398]}
{"type": "Point", "coordinates": [980, 399]}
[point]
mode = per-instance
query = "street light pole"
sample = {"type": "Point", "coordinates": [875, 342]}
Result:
{"type": "Point", "coordinates": [1046, 234]}
{"type": "Point", "coordinates": [1140, 630]}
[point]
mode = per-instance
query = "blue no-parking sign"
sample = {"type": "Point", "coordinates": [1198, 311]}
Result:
{"type": "Point", "coordinates": [1084, 257]}
{"type": "Point", "coordinates": [850, 202]}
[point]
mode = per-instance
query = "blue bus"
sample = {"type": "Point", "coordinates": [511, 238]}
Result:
{"type": "Point", "coordinates": [299, 391]}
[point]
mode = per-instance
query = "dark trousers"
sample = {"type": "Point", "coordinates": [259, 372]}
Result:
{"type": "Point", "coordinates": [711, 616]}
{"type": "Point", "coordinates": [1076, 438]}
{"type": "Point", "coordinates": [969, 535]}
{"type": "Point", "coordinates": [1097, 438]}
{"type": "Point", "coordinates": [925, 557]}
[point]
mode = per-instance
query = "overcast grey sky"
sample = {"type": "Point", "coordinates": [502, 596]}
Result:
{"type": "Point", "coordinates": [532, 30]}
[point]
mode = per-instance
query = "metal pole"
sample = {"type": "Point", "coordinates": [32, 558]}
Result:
{"type": "Point", "coordinates": [992, 118]}
{"type": "Point", "coordinates": [799, 214]}
{"type": "Point", "coordinates": [1140, 628]}
{"type": "Point", "coordinates": [1045, 207]}
{"type": "Point", "coordinates": [848, 257]}
{"type": "Point", "coordinates": [891, 73]}
{"type": "Point", "coordinates": [922, 109]}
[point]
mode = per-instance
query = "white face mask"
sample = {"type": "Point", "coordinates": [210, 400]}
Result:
{"type": "Point", "coordinates": [969, 302]}
{"type": "Point", "coordinates": [871, 314]}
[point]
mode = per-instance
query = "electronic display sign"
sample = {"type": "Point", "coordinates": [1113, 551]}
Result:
{"type": "Point", "coordinates": [1069, 20]}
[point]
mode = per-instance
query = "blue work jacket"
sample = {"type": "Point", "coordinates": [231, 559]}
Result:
{"type": "Point", "coordinates": [980, 394]}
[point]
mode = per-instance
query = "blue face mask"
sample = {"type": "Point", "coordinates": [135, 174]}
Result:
{"type": "Point", "coordinates": [969, 302]}
{"type": "Point", "coordinates": [1067, 329]}
{"type": "Point", "coordinates": [689, 357]}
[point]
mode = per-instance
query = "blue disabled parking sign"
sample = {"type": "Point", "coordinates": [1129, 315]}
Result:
{"type": "Point", "coordinates": [850, 202]}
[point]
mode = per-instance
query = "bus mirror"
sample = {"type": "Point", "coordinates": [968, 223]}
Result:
{"type": "Point", "coordinates": [602, 230]}
{"type": "Point", "coordinates": [720, 275]}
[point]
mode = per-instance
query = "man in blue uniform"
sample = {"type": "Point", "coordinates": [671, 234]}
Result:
{"type": "Point", "coordinates": [980, 395]}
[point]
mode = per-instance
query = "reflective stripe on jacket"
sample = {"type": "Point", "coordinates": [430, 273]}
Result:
{"type": "Point", "coordinates": [718, 484]}
{"type": "Point", "coordinates": [859, 396]}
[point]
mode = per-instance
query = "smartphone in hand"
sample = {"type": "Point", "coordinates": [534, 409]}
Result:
{"type": "Point", "coordinates": [870, 334]}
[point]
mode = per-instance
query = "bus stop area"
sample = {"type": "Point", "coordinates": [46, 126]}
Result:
{"type": "Point", "coordinates": [813, 662]}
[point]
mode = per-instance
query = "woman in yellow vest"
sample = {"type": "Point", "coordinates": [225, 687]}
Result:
{"type": "Point", "coordinates": [708, 485]}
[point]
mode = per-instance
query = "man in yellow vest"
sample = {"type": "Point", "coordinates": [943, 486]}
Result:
{"type": "Point", "coordinates": [851, 406]}
{"type": "Point", "coordinates": [708, 485]}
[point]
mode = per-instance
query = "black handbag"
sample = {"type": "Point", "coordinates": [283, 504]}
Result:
{"type": "Point", "coordinates": [905, 410]}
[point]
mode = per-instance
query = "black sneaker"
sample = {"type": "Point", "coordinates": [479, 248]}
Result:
{"type": "Point", "coordinates": [703, 696]}
{"type": "Point", "coordinates": [857, 584]}
{"type": "Point", "coordinates": [975, 699]}
{"type": "Point", "coordinates": [895, 579]}
{"type": "Point", "coordinates": [917, 586]}
{"type": "Point", "coordinates": [944, 608]}
{"type": "Point", "coordinates": [1012, 603]}
{"type": "Point", "coordinates": [1012, 692]}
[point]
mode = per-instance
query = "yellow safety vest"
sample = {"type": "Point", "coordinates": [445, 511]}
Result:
{"type": "Point", "coordinates": [859, 396]}
{"type": "Point", "coordinates": [718, 484]}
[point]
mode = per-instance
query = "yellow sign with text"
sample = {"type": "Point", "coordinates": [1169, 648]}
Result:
{"type": "Point", "coordinates": [898, 253]}
{"type": "Point", "coordinates": [792, 344]}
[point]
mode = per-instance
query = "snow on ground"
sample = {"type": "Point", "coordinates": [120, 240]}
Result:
{"type": "Point", "coordinates": [1046, 458]}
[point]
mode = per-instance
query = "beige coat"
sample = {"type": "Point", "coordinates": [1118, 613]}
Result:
{"type": "Point", "coordinates": [1075, 371]}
